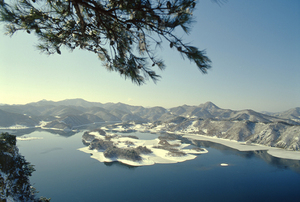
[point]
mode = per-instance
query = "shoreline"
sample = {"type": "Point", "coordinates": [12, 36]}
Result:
{"type": "Point", "coordinates": [242, 146]}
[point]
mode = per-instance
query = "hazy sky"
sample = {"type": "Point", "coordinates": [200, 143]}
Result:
{"type": "Point", "coordinates": [254, 46]}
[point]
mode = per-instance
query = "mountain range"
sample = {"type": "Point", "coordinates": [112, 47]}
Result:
{"type": "Point", "coordinates": [206, 119]}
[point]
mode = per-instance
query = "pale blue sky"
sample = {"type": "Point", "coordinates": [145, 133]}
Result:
{"type": "Point", "coordinates": [254, 46]}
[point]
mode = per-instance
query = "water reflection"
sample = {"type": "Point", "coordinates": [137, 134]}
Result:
{"type": "Point", "coordinates": [51, 150]}
{"type": "Point", "coordinates": [119, 164]}
{"type": "Point", "coordinates": [262, 154]}
{"type": "Point", "coordinates": [19, 132]}
{"type": "Point", "coordinates": [61, 133]}
{"type": "Point", "coordinates": [27, 131]}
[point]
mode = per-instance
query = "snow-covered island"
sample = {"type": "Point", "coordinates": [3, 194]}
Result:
{"type": "Point", "coordinates": [108, 147]}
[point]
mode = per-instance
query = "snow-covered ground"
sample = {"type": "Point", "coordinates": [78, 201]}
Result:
{"type": "Point", "coordinates": [15, 127]}
{"type": "Point", "coordinates": [27, 138]}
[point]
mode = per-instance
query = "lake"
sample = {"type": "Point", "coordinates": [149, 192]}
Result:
{"type": "Point", "coordinates": [65, 174]}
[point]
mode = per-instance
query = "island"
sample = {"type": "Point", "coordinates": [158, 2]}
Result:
{"type": "Point", "coordinates": [108, 147]}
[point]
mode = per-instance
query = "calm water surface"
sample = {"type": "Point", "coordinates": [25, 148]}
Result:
{"type": "Point", "coordinates": [65, 174]}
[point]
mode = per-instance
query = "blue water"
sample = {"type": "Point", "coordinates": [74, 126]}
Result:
{"type": "Point", "coordinates": [66, 174]}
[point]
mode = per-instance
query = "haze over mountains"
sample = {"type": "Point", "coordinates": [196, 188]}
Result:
{"type": "Point", "coordinates": [272, 129]}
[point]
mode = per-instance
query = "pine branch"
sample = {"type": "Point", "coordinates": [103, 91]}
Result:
{"type": "Point", "coordinates": [118, 26]}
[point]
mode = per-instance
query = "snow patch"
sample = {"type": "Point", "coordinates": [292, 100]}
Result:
{"type": "Point", "coordinates": [15, 127]}
{"type": "Point", "coordinates": [25, 138]}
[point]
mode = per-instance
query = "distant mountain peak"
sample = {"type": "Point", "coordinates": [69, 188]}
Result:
{"type": "Point", "coordinates": [209, 105]}
{"type": "Point", "coordinates": [75, 99]}
{"type": "Point", "coordinates": [42, 102]}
